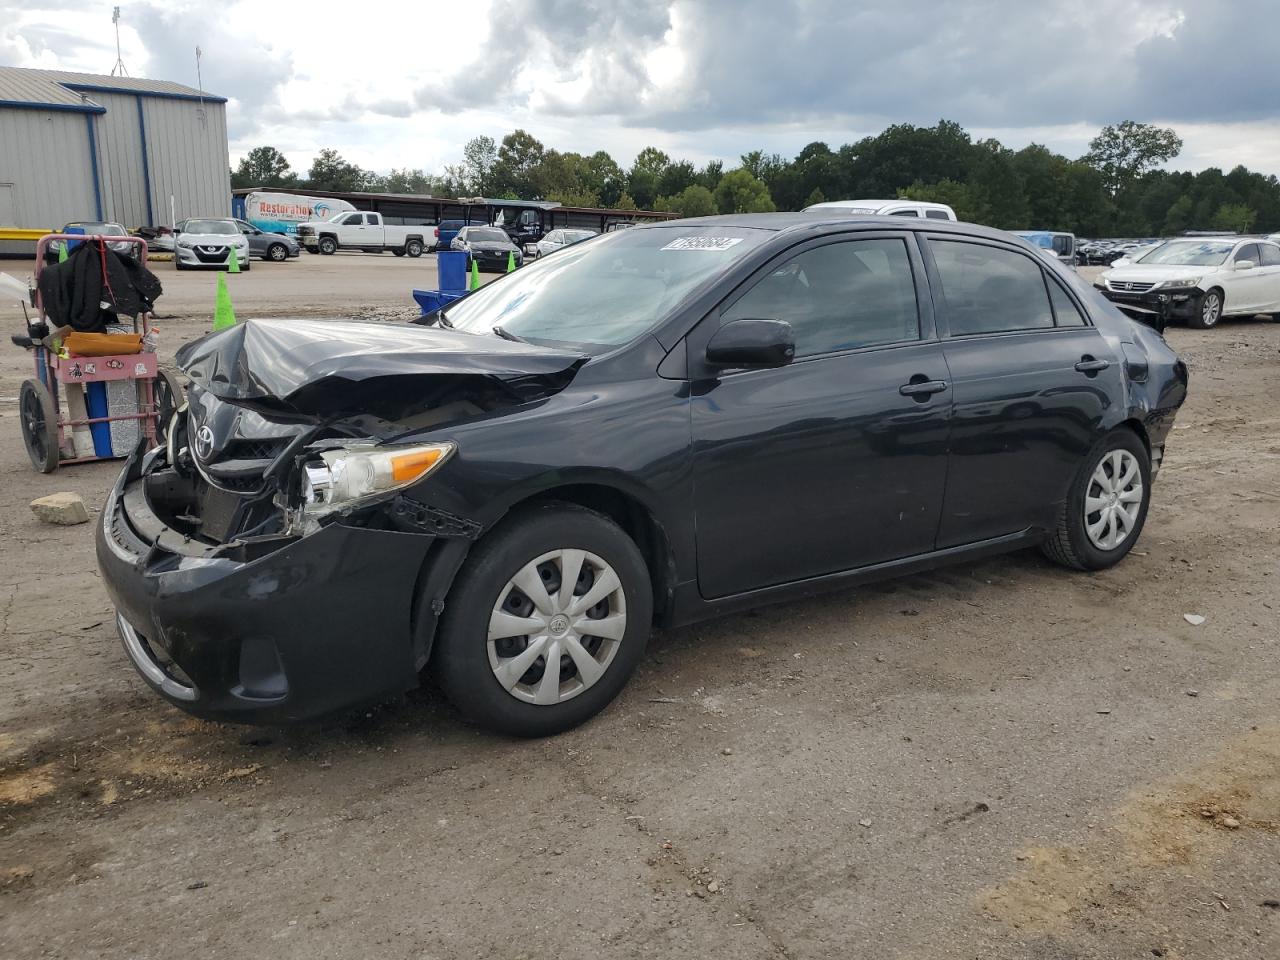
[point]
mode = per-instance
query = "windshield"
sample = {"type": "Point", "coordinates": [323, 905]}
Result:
{"type": "Point", "coordinates": [486, 235]}
{"type": "Point", "coordinates": [1192, 253]}
{"type": "Point", "coordinates": [211, 226]}
{"type": "Point", "coordinates": [606, 292]}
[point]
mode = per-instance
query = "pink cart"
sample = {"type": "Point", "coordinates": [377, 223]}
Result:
{"type": "Point", "coordinates": [47, 422]}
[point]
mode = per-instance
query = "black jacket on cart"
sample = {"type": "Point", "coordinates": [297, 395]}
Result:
{"type": "Point", "coordinates": [94, 286]}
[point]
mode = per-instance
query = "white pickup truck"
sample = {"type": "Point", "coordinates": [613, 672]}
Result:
{"type": "Point", "coordinates": [362, 231]}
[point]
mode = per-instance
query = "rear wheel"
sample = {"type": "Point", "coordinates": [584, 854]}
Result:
{"type": "Point", "coordinates": [1208, 310]}
{"type": "Point", "coordinates": [39, 425]}
{"type": "Point", "coordinates": [397, 251]}
{"type": "Point", "coordinates": [546, 622]}
{"type": "Point", "coordinates": [413, 248]}
{"type": "Point", "coordinates": [1106, 507]}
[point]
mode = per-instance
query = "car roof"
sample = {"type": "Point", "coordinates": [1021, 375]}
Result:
{"type": "Point", "coordinates": [837, 204]}
{"type": "Point", "coordinates": [781, 222]}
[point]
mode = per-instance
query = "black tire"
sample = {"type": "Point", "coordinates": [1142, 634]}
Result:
{"type": "Point", "coordinates": [397, 251]}
{"type": "Point", "coordinates": [169, 396]}
{"type": "Point", "coordinates": [460, 659]}
{"type": "Point", "coordinates": [1207, 310]}
{"type": "Point", "coordinates": [39, 425]}
{"type": "Point", "coordinates": [1068, 544]}
{"type": "Point", "coordinates": [277, 253]}
{"type": "Point", "coordinates": [413, 248]}
{"type": "Point", "coordinates": [178, 264]}
{"type": "Point", "coordinates": [248, 265]}
{"type": "Point", "coordinates": [328, 246]}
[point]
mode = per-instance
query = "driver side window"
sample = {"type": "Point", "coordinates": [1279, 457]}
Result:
{"type": "Point", "coordinates": [840, 296]}
{"type": "Point", "coordinates": [352, 220]}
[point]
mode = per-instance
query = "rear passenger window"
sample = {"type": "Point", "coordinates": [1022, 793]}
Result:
{"type": "Point", "coordinates": [936, 214]}
{"type": "Point", "coordinates": [840, 296]}
{"type": "Point", "coordinates": [1270, 255]}
{"type": "Point", "coordinates": [904, 213]}
{"type": "Point", "coordinates": [990, 290]}
{"type": "Point", "coordinates": [1065, 311]}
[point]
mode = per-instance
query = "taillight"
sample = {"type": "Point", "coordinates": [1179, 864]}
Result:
{"type": "Point", "coordinates": [437, 233]}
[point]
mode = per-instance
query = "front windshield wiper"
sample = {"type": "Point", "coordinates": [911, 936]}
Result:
{"type": "Point", "coordinates": [508, 335]}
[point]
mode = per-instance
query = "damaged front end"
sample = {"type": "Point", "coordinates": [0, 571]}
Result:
{"type": "Point", "coordinates": [271, 560]}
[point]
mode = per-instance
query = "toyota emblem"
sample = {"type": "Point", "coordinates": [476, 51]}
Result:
{"type": "Point", "coordinates": [204, 442]}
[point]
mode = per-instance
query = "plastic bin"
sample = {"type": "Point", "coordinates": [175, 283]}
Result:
{"type": "Point", "coordinates": [451, 267]}
{"type": "Point", "coordinates": [432, 300]}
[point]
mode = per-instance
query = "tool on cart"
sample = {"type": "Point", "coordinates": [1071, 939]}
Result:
{"type": "Point", "coordinates": [98, 387]}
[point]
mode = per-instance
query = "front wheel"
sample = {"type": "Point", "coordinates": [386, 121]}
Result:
{"type": "Point", "coordinates": [278, 253]}
{"type": "Point", "coordinates": [546, 622]}
{"type": "Point", "coordinates": [328, 246]}
{"type": "Point", "coordinates": [1208, 310]}
{"type": "Point", "coordinates": [39, 425]}
{"type": "Point", "coordinates": [413, 248]}
{"type": "Point", "coordinates": [1106, 507]}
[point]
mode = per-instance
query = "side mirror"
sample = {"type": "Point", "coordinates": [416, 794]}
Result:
{"type": "Point", "coordinates": [1245, 264]}
{"type": "Point", "coordinates": [752, 343]}
{"type": "Point", "coordinates": [1121, 262]}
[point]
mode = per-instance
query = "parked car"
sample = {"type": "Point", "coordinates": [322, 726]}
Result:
{"type": "Point", "coordinates": [446, 230]}
{"type": "Point", "coordinates": [885, 208]}
{"type": "Point", "coordinates": [558, 239]}
{"type": "Point", "coordinates": [363, 231]}
{"type": "Point", "coordinates": [269, 246]}
{"type": "Point", "coordinates": [668, 423]}
{"type": "Point", "coordinates": [1061, 246]}
{"type": "Point", "coordinates": [1200, 280]}
{"type": "Point", "coordinates": [488, 247]}
{"type": "Point", "coordinates": [204, 242]}
{"type": "Point", "coordinates": [102, 228]}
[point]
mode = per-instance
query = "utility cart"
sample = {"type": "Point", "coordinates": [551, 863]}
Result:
{"type": "Point", "coordinates": [78, 409]}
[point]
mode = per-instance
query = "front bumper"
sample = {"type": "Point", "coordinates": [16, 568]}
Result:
{"type": "Point", "coordinates": [292, 629]}
{"type": "Point", "coordinates": [1165, 303]}
{"type": "Point", "coordinates": [203, 255]}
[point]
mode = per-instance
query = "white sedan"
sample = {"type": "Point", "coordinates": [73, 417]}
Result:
{"type": "Point", "coordinates": [557, 239]}
{"type": "Point", "coordinates": [1199, 279]}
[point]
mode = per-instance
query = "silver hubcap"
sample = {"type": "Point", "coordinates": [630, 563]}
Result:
{"type": "Point", "coordinates": [556, 627]}
{"type": "Point", "coordinates": [1212, 307]}
{"type": "Point", "coordinates": [1113, 500]}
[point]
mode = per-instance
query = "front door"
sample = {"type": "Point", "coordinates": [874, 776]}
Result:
{"type": "Point", "coordinates": [837, 460]}
{"type": "Point", "coordinates": [1032, 383]}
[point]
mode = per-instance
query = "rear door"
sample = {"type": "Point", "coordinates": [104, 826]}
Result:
{"type": "Point", "coordinates": [838, 459]}
{"type": "Point", "coordinates": [1269, 267]}
{"type": "Point", "coordinates": [1032, 382]}
{"type": "Point", "coordinates": [1247, 289]}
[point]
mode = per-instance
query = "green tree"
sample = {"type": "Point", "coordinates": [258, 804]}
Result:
{"type": "Point", "coordinates": [651, 160]}
{"type": "Point", "coordinates": [604, 176]}
{"type": "Point", "coordinates": [817, 196]}
{"type": "Point", "coordinates": [625, 202]}
{"type": "Point", "coordinates": [958, 196]}
{"type": "Point", "coordinates": [263, 167]}
{"type": "Point", "coordinates": [479, 156]}
{"type": "Point", "coordinates": [1234, 216]}
{"type": "Point", "coordinates": [330, 172]}
{"type": "Point", "coordinates": [694, 200]}
{"type": "Point", "coordinates": [1124, 151]}
{"type": "Point", "coordinates": [520, 154]}
{"type": "Point", "coordinates": [1178, 217]}
{"type": "Point", "coordinates": [740, 192]}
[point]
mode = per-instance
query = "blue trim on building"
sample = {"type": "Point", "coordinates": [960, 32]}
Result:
{"type": "Point", "coordinates": [63, 107]}
{"type": "Point", "coordinates": [146, 164]}
{"type": "Point", "coordinates": [97, 88]}
{"type": "Point", "coordinates": [93, 159]}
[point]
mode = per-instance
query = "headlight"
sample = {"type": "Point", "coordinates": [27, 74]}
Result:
{"type": "Point", "coordinates": [1188, 282]}
{"type": "Point", "coordinates": [365, 471]}
{"type": "Point", "coordinates": [185, 244]}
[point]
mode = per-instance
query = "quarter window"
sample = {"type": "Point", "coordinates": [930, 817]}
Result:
{"type": "Point", "coordinates": [905, 213]}
{"type": "Point", "coordinates": [839, 296]}
{"type": "Point", "coordinates": [1065, 311]}
{"type": "Point", "coordinates": [990, 290]}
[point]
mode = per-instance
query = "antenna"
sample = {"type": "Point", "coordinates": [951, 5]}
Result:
{"type": "Point", "coordinates": [115, 20]}
{"type": "Point", "coordinates": [200, 86]}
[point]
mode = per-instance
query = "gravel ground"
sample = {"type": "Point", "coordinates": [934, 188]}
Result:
{"type": "Point", "coordinates": [999, 759]}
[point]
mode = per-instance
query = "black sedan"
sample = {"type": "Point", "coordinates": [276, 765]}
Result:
{"type": "Point", "coordinates": [488, 247]}
{"type": "Point", "coordinates": [665, 424]}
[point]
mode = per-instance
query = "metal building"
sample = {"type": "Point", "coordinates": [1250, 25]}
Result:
{"type": "Point", "coordinates": [78, 146]}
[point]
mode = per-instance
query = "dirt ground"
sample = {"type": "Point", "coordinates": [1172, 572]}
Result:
{"type": "Point", "coordinates": [996, 760]}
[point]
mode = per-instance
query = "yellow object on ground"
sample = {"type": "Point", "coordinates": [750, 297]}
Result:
{"type": "Point", "coordinates": [62, 251]}
{"type": "Point", "coordinates": [511, 261]}
{"type": "Point", "coordinates": [475, 275]}
{"type": "Point", "coordinates": [102, 344]}
{"type": "Point", "coordinates": [224, 316]}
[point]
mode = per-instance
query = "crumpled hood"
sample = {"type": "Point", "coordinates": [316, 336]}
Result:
{"type": "Point", "coordinates": [1154, 272]}
{"type": "Point", "coordinates": [330, 367]}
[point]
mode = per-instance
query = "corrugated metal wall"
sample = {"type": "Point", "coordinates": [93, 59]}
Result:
{"type": "Point", "coordinates": [124, 195]}
{"type": "Point", "coordinates": [45, 155]}
{"type": "Point", "coordinates": [188, 157]}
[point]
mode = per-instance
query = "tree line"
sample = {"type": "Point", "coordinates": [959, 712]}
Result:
{"type": "Point", "coordinates": [1116, 189]}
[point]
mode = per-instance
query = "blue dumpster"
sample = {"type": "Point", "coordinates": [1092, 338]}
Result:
{"type": "Point", "coordinates": [432, 300]}
{"type": "Point", "coordinates": [451, 266]}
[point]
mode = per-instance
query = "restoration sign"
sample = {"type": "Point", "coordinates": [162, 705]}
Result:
{"type": "Point", "coordinates": [282, 212]}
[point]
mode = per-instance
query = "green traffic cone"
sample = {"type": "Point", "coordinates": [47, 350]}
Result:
{"type": "Point", "coordinates": [224, 316]}
{"type": "Point", "coordinates": [475, 275]}
{"type": "Point", "coordinates": [511, 261]}
{"type": "Point", "coordinates": [233, 263]}
{"type": "Point", "coordinates": [62, 251]}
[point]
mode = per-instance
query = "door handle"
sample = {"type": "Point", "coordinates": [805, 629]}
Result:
{"type": "Point", "coordinates": [922, 389]}
{"type": "Point", "coordinates": [1091, 365]}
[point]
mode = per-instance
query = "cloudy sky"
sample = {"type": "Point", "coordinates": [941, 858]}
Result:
{"type": "Point", "coordinates": [405, 84]}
